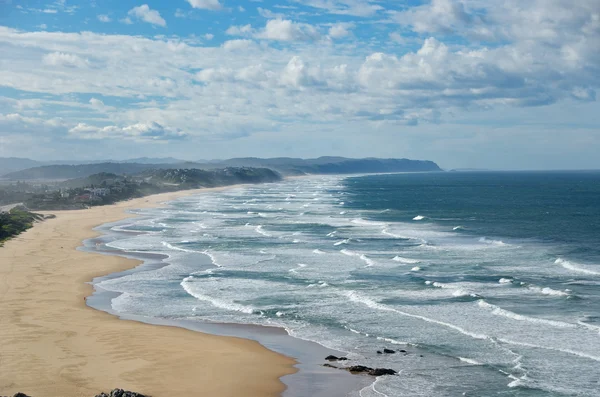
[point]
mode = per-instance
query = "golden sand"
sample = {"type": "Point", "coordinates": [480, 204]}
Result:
{"type": "Point", "coordinates": [53, 345]}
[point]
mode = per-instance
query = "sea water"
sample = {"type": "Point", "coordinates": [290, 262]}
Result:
{"type": "Point", "coordinates": [489, 282]}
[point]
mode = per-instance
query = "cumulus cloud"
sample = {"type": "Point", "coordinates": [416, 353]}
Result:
{"type": "Point", "coordinates": [206, 4]}
{"type": "Point", "coordinates": [339, 30]}
{"type": "Point", "coordinates": [150, 131]}
{"type": "Point", "coordinates": [146, 14]}
{"type": "Point", "coordinates": [64, 59]}
{"type": "Point", "coordinates": [359, 8]}
{"type": "Point", "coordinates": [104, 18]}
{"type": "Point", "coordinates": [239, 30]}
{"type": "Point", "coordinates": [287, 30]}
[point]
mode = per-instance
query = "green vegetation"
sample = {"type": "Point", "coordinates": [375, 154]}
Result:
{"type": "Point", "coordinates": [15, 222]}
{"type": "Point", "coordinates": [108, 188]}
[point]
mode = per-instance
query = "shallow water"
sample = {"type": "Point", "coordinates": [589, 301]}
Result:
{"type": "Point", "coordinates": [489, 281]}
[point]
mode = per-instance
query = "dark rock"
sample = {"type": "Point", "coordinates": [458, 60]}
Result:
{"type": "Point", "coordinates": [330, 366]}
{"type": "Point", "coordinates": [361, 369]}
{"type": "Point", "coordinates": [379, 352]}
{"type": "Point", "coordinates": [21, 395]}
{"type": "Point", "coordinates": [382, 371]}
{"type": "Point", "coordinates": [121, 393]}
{"type": "Point", "coordinates": [335, 358]}
{"type": "Point", "coordinates": [389, 351]}
{"type": "Point", "coordinates": [402, 351]}
{"type": "Point", "coordinates": [357, 369]}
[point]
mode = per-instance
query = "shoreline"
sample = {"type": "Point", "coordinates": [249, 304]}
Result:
{"type": "Point", "coordinates": [311, 378]}
{"type": "Point", "coordinates": [53, 345]}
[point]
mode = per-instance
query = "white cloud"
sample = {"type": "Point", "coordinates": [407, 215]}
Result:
{"type": "Point", "coordinates": [209, 36]}
{"type": "Point", "coordinates": [147, 14]}
{"type": "Point", "coordinates": [206, 4]}
{"type": "Point", "coordinates": [287, 30]}
{"type": "Point", "coordinates": [240, 44]}
{"type": "Point", "coordinates": [339, 30]}
{"type": "Point", "coordinates": [150, 131]}
{"type": "Point", "coordinates": [64, 59]}
{"type": "Point", "coordinates": [359, 8]}
{"type": "Point", "coordinates": [241, 30]}
{"type": "Point", "coordinates": [104, 18]}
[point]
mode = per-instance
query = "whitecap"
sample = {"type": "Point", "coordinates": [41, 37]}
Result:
{"type": "Point", "coordinates": [575, 267]}
{"type": "Point", "coordinates": [419, 218]}
{"type": "Point", "coordinates": [498, 311]}
{"type": "Point", "coordinates": [407, 261]}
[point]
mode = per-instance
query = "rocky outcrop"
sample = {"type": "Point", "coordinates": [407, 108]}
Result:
{"type": "Point", "coordinates": [359, 369]}
{"type": "Point", "coordinates": [121, 393]}
{"type": "Point", "coordinates": [335, 358]}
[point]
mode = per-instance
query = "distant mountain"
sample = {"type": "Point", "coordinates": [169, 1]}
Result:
{"type": "Point", "coordinates": [331, 165]}
{"type": "Point", "coordinates": [154, 160]}
{"type": "Point", "coordinates": [10, 164]}
{"type": "Point", "coordinates": [283, 165]}
{"type": "Point", "coordinates": [80, 171]}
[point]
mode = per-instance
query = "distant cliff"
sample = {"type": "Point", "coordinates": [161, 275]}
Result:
{"type": "Point", "coordinates": [283, 165]}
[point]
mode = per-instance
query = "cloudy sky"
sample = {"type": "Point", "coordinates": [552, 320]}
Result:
{"type": "Point", "coordinates": [506, 84]}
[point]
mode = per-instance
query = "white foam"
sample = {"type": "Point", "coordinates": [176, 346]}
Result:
{"type": "Point", "coordinates": [457, 228]}
{"type": "Point", "coordinates": [260, 230]}
{"type": "Point", "coordinates": [318, 251]}
{"type": "Point", "coordinates": [231, 306]}
{"type": "Point", "coordinates": [505, 281]}
{"type": "Point", "coordinates": [419, 218]}
{"type": "Point", "coordinates": [415, 269]}
{"type": "Point", "coordinates": [360, 221]}
{"type": "Point", "coordinates": [172, 247]}
{"type": "Point", "coordinates": [492, 242]}
{"type": "Point", "coordinates": [346, 241]}
{"type": "Point", "coordinates": [356, 297]}
{"type": "Point", "coordinates": [407, 261]}
{"type": "Point", "coordinates": [495, 310]}
{"type": "Point", "coordinates": [469, 361]}
{"type": "Point", "coordinates": [386, 232]}
{"type": "Point", "coordinates": [548, 291]}
{"type": "Point", "coordinates": [575, 267]}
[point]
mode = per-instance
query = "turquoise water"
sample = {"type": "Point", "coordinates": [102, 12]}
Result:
{"type": "Point", "coordinates": [489, 281]}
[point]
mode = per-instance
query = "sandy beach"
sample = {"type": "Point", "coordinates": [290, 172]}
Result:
{"type": "Point", "coordinates": [53, 345]}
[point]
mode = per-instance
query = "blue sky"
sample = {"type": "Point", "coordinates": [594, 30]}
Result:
{"type": "Point", "coordinates": [466, 83]}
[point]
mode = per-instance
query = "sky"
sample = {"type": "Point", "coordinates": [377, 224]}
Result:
{"type": "Point", "coordinates": [490, 84]}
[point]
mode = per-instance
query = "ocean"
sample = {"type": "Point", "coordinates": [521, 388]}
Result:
{"type": "Point", "coordinates": [486, 284]}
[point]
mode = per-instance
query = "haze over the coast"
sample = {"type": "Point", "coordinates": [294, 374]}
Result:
{"type": "Point", "coordinates": [466, 83]}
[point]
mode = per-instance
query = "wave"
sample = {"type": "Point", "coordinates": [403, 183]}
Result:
{"type": "Point", "coordinates": [549, 291]}
{"type": "Point", "coordinates": [172, 247]}
{"type": "Point", "coordinates": [415, 269]}
{"type": "Point", "coordinates": [259, 229]}
{"type": "Point", "coordinates": [469, 361]}
{"type": "Point", "coordinates": [212, 258]}
{"type": "Point", "coordinates": [360, 221]}
{"type": "Point", "coordinates": [495, 310]}
{"type": "Point", "coordinates": [221, 304]}
{"type": "Point", "coordinates": [358, 298]}
{"type": "Point", "coordinates": [362, 257]}
{"type": "Point", "coordinates": [346, 241]}
{"type": "Point", "coordinates": [455, 228]}
{"type": "Point", "coordinates": [419, 218]}
{"type": "Point", "coordinates": [407, 261]}
{"type": "Point", "coordinates": [318, 251]}
{"type": "Point", "coordinates": [505, 281]}
{"type": "Point", "coordinates": [492, 242]}
{"type": "Point", "coordinates": [576, 267]}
